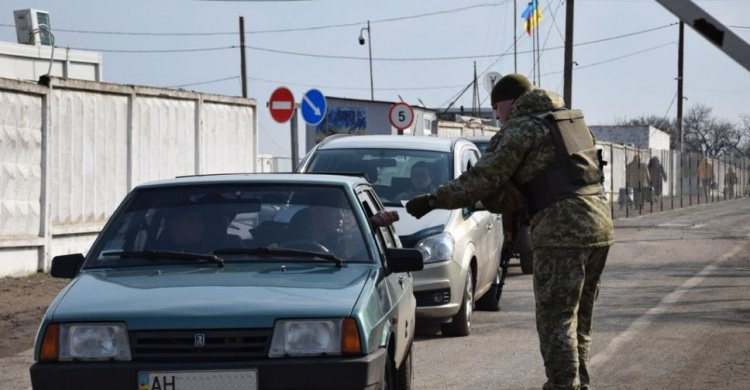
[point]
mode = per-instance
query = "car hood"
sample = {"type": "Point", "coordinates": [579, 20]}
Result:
{"type": "Point", "coordinates": [408, 225]}
{"type": "Point", "coordinates": [238, 296]}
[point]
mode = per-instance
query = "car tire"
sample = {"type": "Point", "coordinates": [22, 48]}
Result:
{"type": "Point", "coordinates": [388, 381]}
{"type": "Point", "coordinates": [526, 254]}
{"type": "Point", "coordinates": [490, 301]}
{"type": "Point", "coordinates": [460, 324]}
{"type": "Point", "coordinates": [406, 372]}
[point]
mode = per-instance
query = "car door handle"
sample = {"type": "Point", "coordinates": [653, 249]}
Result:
{"type": "Point", "coordinates": [401, 280]}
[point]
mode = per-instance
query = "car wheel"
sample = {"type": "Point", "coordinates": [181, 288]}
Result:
{"type": "Point", "coordinates": [490, 301]}
{"type": "Point", "coordinates": [461, 322]}
{"type": "Point", "coordinates": [388, 381]}
{"type": "Point", "coordinates": [526, 255]}
{"type": "Point", "coordinates": [405, 373]}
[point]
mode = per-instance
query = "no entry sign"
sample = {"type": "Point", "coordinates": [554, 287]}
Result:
{"type": "Point", "coordinates": [281, 105]}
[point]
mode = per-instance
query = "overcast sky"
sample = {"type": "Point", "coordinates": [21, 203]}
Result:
{"type": "Point", "coordinates": [619, 78]}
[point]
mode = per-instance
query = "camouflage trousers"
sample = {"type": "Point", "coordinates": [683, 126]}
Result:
{"type": "Point", "coordinates": [566, 281]}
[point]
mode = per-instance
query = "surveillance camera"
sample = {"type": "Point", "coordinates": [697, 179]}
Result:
{"type": "Point", "coordinates": [361, 40]}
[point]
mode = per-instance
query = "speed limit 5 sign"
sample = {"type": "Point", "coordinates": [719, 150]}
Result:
{"type": "Point", "coordinates": [401, 116]}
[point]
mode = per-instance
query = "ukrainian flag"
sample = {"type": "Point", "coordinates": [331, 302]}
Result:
{"type": "Point", "coordinates": [531, 16]}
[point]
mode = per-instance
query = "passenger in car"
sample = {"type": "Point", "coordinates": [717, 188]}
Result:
{"type": "Point", "coordinates": [420, 180]}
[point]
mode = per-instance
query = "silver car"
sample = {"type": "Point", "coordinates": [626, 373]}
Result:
{"type": "Point", "coordinates": [461, 248]}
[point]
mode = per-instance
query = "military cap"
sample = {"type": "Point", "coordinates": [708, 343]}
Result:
{"type": "Point", "coordinates": [510, 87]}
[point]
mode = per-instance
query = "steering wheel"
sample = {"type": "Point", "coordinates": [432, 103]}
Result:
{"type": "Point", "coordinates": [306, 245]}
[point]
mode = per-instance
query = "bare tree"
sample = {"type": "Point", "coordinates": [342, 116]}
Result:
{"type": "Point", "coordinates": [710, 136]}
{"type": "Point", "coordinates": [744, 127]}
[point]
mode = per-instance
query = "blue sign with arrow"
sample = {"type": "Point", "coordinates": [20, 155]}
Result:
{"type": "Point", "coordinates": [314, 107]}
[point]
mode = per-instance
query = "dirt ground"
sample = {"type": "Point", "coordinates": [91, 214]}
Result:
{"type": "Point", "coordinates": [23, 302]}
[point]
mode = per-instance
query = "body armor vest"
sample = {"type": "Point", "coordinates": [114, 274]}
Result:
{"type": "Point", "coordinates": [577, 169]}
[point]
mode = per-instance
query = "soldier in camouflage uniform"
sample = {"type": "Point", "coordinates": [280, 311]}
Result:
{"type": "Point", "coordinates": [571, 234]}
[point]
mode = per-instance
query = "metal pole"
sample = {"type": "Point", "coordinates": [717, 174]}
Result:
{"type": "Point", "coordinates": [568, 70]}
{"type": "Point", "coordinates": [243, 64]}
{"type": "Point", "coordinates": [515, 36]}
{"type": "Point", "coordinates": [680, 63]}
{"type": "Point", "coordinates": [369, 47]}
{"type": "Point", "coordinates": [295, 146]}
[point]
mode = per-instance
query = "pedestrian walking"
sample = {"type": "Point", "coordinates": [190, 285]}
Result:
{"type": "Point", "coordinates": [548, 153]}
{"type": "Point", "coordinates": [639, 179]}
{"type": "Point", "coordinates": [658, 175]}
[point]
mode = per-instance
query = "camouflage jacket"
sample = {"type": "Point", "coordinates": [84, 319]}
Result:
{"type": "Point", "coordinates": [520, 151]}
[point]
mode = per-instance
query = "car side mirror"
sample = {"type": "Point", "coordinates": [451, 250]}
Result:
{"type": "Point", "coordinates": [66, 266]}
{"type": "Point", "coordinates": [404, 260]}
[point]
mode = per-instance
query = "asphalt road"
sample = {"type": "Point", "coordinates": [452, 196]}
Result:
{"type": "Point", "coordinates": [673, 313]}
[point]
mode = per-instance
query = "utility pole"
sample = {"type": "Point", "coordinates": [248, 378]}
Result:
{"type": "Point", "coordinates": [242, 57]}
{"type": "Point", "coordinates": [369, 49]}
{"type": "Point", "coordinates": [568, 69]}
{"type": "Point", "coordinates": [475, 94]}
{"type": "Point", "coordinates": [515, 36]}
{"type": "Point", "coordinates": [680, 62]}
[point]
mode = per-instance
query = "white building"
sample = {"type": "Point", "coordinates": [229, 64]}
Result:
{"type": "Point", "coordinates": [34, 55]}
{"type": "Point", "coordinates": [643, 137]}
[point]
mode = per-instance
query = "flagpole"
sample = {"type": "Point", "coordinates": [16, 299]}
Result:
{"type": "Point", "coordinates": [568, 66]}
{"type": "Point", "coordinates": [538, 51]}
{"type": "Point", "coordinates": [515, 36]}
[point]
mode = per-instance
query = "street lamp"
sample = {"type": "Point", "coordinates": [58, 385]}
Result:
{"type": "Point", "coordinates": [369, 46]}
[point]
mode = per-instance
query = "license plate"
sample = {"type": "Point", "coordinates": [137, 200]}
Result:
{"type": "Point", "coordinates": [199, 380]}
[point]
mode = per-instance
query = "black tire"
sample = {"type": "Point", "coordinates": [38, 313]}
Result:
{"type": "Point", "coordinates": [406, 372]}
{"type": "Point", "coordinates": [460, 324]}
{"type": "Point", "coordinates": [490, 301]}
{"type": "Point", "coordinates": [523, 247]}
{"type": "Point", "coordinates": [389, 374]}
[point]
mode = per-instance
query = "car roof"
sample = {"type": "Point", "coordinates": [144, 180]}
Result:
{"type": "Point", "coordinates": [479, 138]}
{"type": "Point", "coordinates": [260, 178]}
{"type": "Point", "coordinates": [392, 142]}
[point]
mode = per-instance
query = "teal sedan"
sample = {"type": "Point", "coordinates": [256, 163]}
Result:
{"type": "Point", "coordinates": [235, 282]}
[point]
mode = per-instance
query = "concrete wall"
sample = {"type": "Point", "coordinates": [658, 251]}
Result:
{"type": "Point", "coordinates": [73, 149]}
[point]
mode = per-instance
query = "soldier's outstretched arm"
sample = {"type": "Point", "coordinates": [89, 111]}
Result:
{"type": "Point", "coordinates": [494, 168]}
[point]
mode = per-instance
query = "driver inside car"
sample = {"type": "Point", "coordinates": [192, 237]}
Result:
{"type": "Point", "coordinates": [329, 225]}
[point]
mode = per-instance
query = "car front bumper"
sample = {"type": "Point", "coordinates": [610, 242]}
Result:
{"type": "Point", "coordinates": [363, 372]}
{"type": "Point", "coordinates": [439, 276]}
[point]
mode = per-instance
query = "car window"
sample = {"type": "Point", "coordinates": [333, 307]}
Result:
{"type": "Point", "coordinates": [396, 174]}
{"type": "Point", "coordinates": [208, 219]}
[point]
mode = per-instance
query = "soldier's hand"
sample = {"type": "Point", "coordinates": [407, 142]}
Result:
{"type": "Point", "coordinates": [419, 206]}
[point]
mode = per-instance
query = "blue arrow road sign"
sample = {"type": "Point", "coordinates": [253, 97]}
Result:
{"type": "Point", "coordinates": [313, 107]}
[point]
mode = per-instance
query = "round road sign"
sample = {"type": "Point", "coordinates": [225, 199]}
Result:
{"type": "Point", "coordinates": [281, 104]}
{"type": "Point", "coordinates": [401, 115]}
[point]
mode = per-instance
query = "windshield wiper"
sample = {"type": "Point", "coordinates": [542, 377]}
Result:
{"type": "Point", "coordinates": [266, 251]}
{"type": "Point", "coordinates": [169, 255]}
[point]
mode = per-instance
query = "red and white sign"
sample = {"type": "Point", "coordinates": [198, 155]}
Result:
{"type": "Point", "coordinates": [281, 105]}
{"type": "Point", "coordinates": [401, 115]}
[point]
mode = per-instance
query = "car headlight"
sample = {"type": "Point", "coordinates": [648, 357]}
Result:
{"type": "Point", "coordinates": [437, 248]}
{"type": "Point", "coordinates": [93, 342]}
{"type": "Point", "coordinates": [315, 337]}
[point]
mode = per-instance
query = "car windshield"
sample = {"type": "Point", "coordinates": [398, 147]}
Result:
{"type": "Point", "coordinates": [396, 174]}
{"type": "Point", "coordinates": [206, 225]}
{"type": "Point", "coordinates": [482, 145]}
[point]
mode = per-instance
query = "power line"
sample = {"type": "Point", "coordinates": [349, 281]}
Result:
{"type": "Point", "coordinates": [339, 57]}
{"type": "Point", "coordinates": [615, 58]}
{"type": "Point", "coordinates": [155, 51]}
{"type": "Point", "coordinates": [284, 30]}
{"type": "Point", "coordinates": [204, 82]}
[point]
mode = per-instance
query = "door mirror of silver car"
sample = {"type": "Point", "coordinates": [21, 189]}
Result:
{"type": "Point", "coordinates": [67, 266]}
{"type": "Point", "coordinates": [404, 260]}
